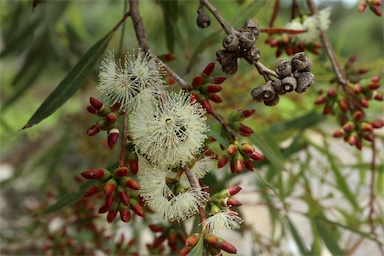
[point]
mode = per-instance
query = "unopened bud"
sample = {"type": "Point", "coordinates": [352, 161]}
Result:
{"type": "Point", "coordinates": [231, 202]}
{"type": "Point", "coordinates": [131, 183]}
{"type": "Point", "coordinates": [91, 191]}
{"type": "Point", "coordinates": [232, 149]}
{"type": "Point", "coordinates": [192, 240]}
{"type": "Point", "coordinates": [207, 106]}
{"type": "Point", "coordinates": [257, 156]}
{"type": "Point", "coordinates": [222, 162]}
{"type": "Point", "coordinates": [103, 209]}
{"type": "Point", "coordinates": [343, 105]}
{"type": "Point", "coordinates": [348, 127]}
{"type": "Point", "coordinates": [364, 103]}
{"type": "Point", "coordinates": [237, 163]}
{"type": "Point", "coordinates": [215, 98]}
{"type": "Point", "coordinates": [207, 72]}
{"type": "Point", "coordinates": [120, 172]}
{"type": "Point", "coordinates": [113, 136]}
{"type": "Point", "coordinates": [136, 208]}
{"type": "Point", "coordinates": [233, 190]}
{"type": "Point", "coordinates": [134, 166]}
{"type": "Point", "coordinates": [338, 134]}
{"type": "Point", "coordinates": [156, 228]}
{"type": "Point", "coordinates": [111, 118]}
{"type": "Point", "coordinates": [369, 137]}
{"type": "Point", "coordinates": [109, 200]}
{"type": "Point", "coordinates": [320, 100]}
{"type": "Point", "coordinates": [124, 197]}
{"type": "Point", "coordinates": [109, 187]}
{"type": "Point", "coordinates": [211, 239]}
{"type": "Point", "coordinates": [125, 215]}
{"type": "Point", "coordinates": [331, 93]}
{"type": "Point", "coordinates": [219, 79]}
{"type": "Point", "coordinates": [378, 97]}
{"type": "Point", "coordinates": [366, 127]}
{"type": "Point", "coordinates": [184, 251]}
{"type": "Point", "coordinates": [357, 89]}
{"type": "Point", "coordinates": [111, 216]}
{"type": "Point", "coordinates": [97, 174]}
{"type": "Point", "coordinates": [352, 140]}
{"type": "Point", "coordinates": [249, 165]}
{"type": "Point", "coordinates": [91, 109]}
{"type": "Point", "coordinates": [93, 130]}
{"type": "Point", "coordinates": [245, 130]}
{"type": "Point", "coordinates": [98, 105]}
{"type": "Point", "coordinates": [214, 88]}
{"type": "Point", "coordinates": [358, 115]}
{"type": "Point", "coordinates": [229, 248]}
{"type": "Point", "coordinates": [197, 81]}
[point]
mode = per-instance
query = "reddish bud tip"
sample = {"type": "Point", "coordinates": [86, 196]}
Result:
{"type": "Point", "coordinates": [97, 174]}
{"type": "Point", "coordinates": [343, 105]}
{"type": "Point", "coordinates": [113, 136]}
{"type": "Point", "coordinates": [375, 79]}
{"type": "Point", "coordinates": [115, 107]}
{"type": "Point", "coordinates": [197, 81]}
{"type": "Point", "coordinates": [132, 184]}
{"type": "Point", "coordinates": [207, 106]}
{"type": "Point", "coordinates": [209, 69]}
{"type": "Point", "coordinates": [124, 198]}
{"type": "Point", "coordinates": [93, 130]}
{"type": "Point", "coordinates": [184, 251]}
{"type": "Point", "coordinates": [167, 57]}
{"type": "Point", "coordinates": [103, 209]}
{"type": "Point", "coordinates": [91, 191]}
{"type": "Point", "coordinates": [194, 97]}
{"type": "Point", "coordinates": [156, 228]}
{"type": "Point", "coordinates": [98, 105]}
{"type": "Point", "coordinates": [246, 148]}
{"type": "Point", "coordinates": [331, 93]}
{"type": "Point", "coordinates": [257, 156]}
{"type": "Point", "coordinates": [214, 88]}
{"type": "Point", "coordinates": [338, 134]}
{"type": "Point", "coordinates": [222, 162]}
{"type": "Point", "coordinates": [249, 165]}
{"type": "Point", "coordinates": [348, 127]}
{"type": "Point", "coordinates": [358, 116]}
{"type": "Point", "coordinates": [366, 127]}
{"type": "Point", "coordinates": [357, 89]}
{"type": "Point", "coordinates": [134, 166]}
{"type": "Point", "coordinates": [233, 190]}
{"type": "Point", "coordinates": [125, 215]}
{"type": "Point", "coordinates": [237, 166]}
{"type": "Point", "coordinates": [120, 172]}
{"type": "Point", "coordinates": [362, 71]}
{"type": "Point", "coordinates": [232, 202]}
{"type": "Point", "coordinates": [138, 210]}
{"type": "Point", "coordinates": [211, 239]}
{"type": "Point", "coordinates": [327, 110]}
{"type": "Point", "coordinates": [376, 10]}
{"type": "Point", "coordinates": [109, 200]}
{"type": "Point", "coordinates": [245, 129]}
{"type": "Point", "coordinates": [232, 149]}
{"type": "Point", "coordinates": [364, 103]}
{"type": "Point", "coordinates": [369, 137]}
{"type": "Point", "coordinates": [109, 187]}
{"type": "Point", "coordinates": [91, 110]}
{"type": "Point", "coordinates": [248, 112]}
{"type": "Point", "coordinates": [111, 118]}
{"type": "Point", "coordinates": [377, 124]}
{"type": "Point", "coordinates": [320, 100]}
{"type": "Point", "coordinates": [111, 216]}
{"type": "Point", "coordinates": [378, 97]}
{"type": "Point", "coordinates": [362, 7]}
{"type": "Point", "coordinates": [352, 140]}
{"type": "Point", "coordinates": [219, 79]}
{"type": "Point", "coordinates": [229, 248]}
{"type": "Point", "coordinates": [215, 98]}
{"type": "Point", "coordinates": [192, 240]}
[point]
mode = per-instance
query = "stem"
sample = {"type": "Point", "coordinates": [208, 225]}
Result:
{"type": "Point", "coordinates": [225, 25]}
{"type": "Point", "coordinates": [121, 21]}
{"type": "Point", "coordinates": [138, 25]}
{"type": "Point", "coordinates": [264, 71]}
{"type": "Point", "coordinates": [225, 126]}
{"type": "Point", "coordinates": [122, 30]}
{"type": "Point", "coordinates": [123, 141]}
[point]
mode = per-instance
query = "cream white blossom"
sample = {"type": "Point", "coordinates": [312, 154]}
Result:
{"type": "Point", "coordinates": [222, 222]}
{"type": "Point", "coordinates": [311, 24]}
{"type": "Point", "coordinates": [169, 130]}
{"type": "Point", "coordinates": [160, 198]}
{"type": "Point", "coordinates": [122, 83]}
{"type": "Point", "coordinates": [200, 168]}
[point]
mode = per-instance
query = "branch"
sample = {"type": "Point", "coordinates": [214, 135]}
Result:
{"type": "Point", "coordinates": [225, 25]}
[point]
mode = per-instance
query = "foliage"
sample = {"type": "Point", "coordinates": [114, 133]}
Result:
{"type": "Point", "coordinates": [319, 193]}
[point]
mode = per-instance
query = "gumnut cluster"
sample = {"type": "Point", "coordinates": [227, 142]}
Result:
{"type": "Point", "coordinates": [239, 44]}
{"type": "Point", "coordinates": [293, 75]}
{"type": "Point", "coordinates": [107, 121]}
{"type": "Point", "coordinates": [120, 190]}
{"type": "Point", "coordinates": [301, 33]}
{"type": "Point", "coordinates": [349, 103]}
{"type": "Point", "coordinates": [205, 88]}
{"type": "Point", "coordinates": [240, 156]}
{"type": "Point", "coordinates": [374, 6]}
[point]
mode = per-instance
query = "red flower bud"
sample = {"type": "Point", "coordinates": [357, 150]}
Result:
{"type": "Point", "coordinates": [167, 57]}
{"type": "Point", "coordinates": [343, 105]}
{"type": "Point", "coordinates": [222, 162]}
{"type": "Point", "coordinates": [377, 124]}
{"type": "Point", "coordinates": [246, 148]}
{"type": "Point", "coordinates": [364, 103]}
{"type": "Point", "coordinates": [172, 242]}
{"type": "Point", "coordinates": [219, 79]}
{"type": "Point", "coordinates": [378, 97]}
{"type": "Point", "coordinates": [232, 149]}
{"type": "Point", "coordinates": [197, 81]}
{"type": "Point", "coordinates": [358, 115]}
{"type": "Point", "coordinates": [231, 202]}
{"type": "Point", "coordinates": [109, 200]}
{"type": "Point", "coordinates": [357, 89]}
{"type": "Point", "coordinates": [134, 166]}
{"type": "Point", "coordinates": [103, 209]}
{"type": "Point", "coordinates": [132, 184]}
{"type": "Point", "coordinates": [113, 136]}
{"type": "Point", "coordinates": [211, 239]}
{"type": "Point", "coordinates": [194, 97]}
{"type": "Point", "coordinates": [115, 107]}
{"type": "Point", "coordinates": [111, 118]}
{"type": "Point", "coordinates": [362, 6]}
{"type": "Point", "coordinates": [338, 134]}
{"type": "Point", "coordinates": [192, 240]}
{"type": "Point", "coordinates": [331, 93]}
{"type": "Point", "coordinates": [352, 140]}
{"type": "Point", "coordinates": [373, 86]}
{"type": "Point", "coordinates": [327, 110]}
{"type": "Point", "coordinates": [96, 174]}
{"type": "Point", "coordinates": [111, 216]}
{"type": "Point", "coordinates": [233, 190]}
{"type": "Point", "coordinates": [91, 110]}
{"type": "Point", "coordinates": [257, 156]}
{"type": "Point", "coordinates": [376, 10]}
{"type": "Point", "coordinates": [109, 187]}
{"type": "Point", "coordinates": [375, 79]}
{"type": "Point", "coordinates": [229, 248]}
{"type": "Point", "coordinates": [124, 198]}
{"type": "Point", "coordinates": [136, 208]}
{"type": "Point", "coordinates": [207, 106]}
{"type": "Point", "coordinates": [237, 165]}
{"type": "Point", "coordinates": [214, 88]}
{"type": "Point", "coordinates": [184, 251]}
{"type": "Point", "coordinates": [156, 228]}
{"type": "Point", "coordinates": [320, 100]}
{"type": "Point", "coordinates": [366, 127]}
{"type": "Point", "coordinates": [248, 112]}
{"type": "Point", "coordinates": [249, 165]}
{"type": "Point", "coordinates": [359, 144]}
{"type": "Point", "coordinates": [125, 215]}
{"type": "Point", "coordinates": [94, 129]}
{"type": "Point", "coordinates": [98, 105]}
{"type": "Point", "coordinates": [369, 137]}
{"type": "Point", "coordinates": [215, 98]}
{"type": "Point", "coordinates": [209, 69]}
{"type": "Point", "coordinates": [245, 130]}
{"type": "Point", "coordinates": [91, 191]}
{"type": "Point", "coordinates": [362, 71]}
{"type": "Point", "coordinates": [348, 127]}
{"type": "Point", "coordinates": [120, 172]}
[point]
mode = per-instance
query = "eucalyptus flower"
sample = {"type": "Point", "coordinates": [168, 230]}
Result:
{"type": "Point", "coordinates": [169, 130]}
{"type": "Point", "coordinates": [122, 83]}
{"type": "Point", "coordinates": [222, 222]}
{"type": "Point", "coordinates": [200, 168]}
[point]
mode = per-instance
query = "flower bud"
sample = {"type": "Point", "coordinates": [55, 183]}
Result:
{"type": "Point", "coordinates": [231, 43]}
{"type": "Point", "coordinates": [109, 200]}
{"type": "Point", "coordinates": [109, 187]}
{"type": "Point", "coordinates": [366, 127]}
{"type": "Point", "coordinates": [98, 105]}
{"type": "Point", "coordinates": [331, 93]}
{"type": "Point", "coordinates": [352, 140]}
{"type": "Point", "coordinates": [338, 134]}
{"type": "Point", "coordinates": [377, 124]}
{"type": "Point", "coordinates": [320, 100]}
{"type": "Point", "coordinates": [237, 163]}
{"type": "Point", "coordinates": [120, 172]}
{"type": "Point", "coordinates": [214, 88]}
{"type": "Point", "coordinates": [111, 118]}
{"type": "Point", "coordinates": [136, 208]}
{"type": "Point", "coordinates": [348, 127]}
{"type": "Point", "coordinates": [91, 110]}
{"type": "Point", "coordinates": [111, 216]}
{"type": "Point", "coordinates": [203, 20]}
{"type": "Point", "coordinates": [211, 239]}
{"type": "Point", "coordinates": [376, 10]}
{"type": "Point", "coordinates": [233, 190]}
{"type": "Point", "coordinates": [96, 174]}
{"type": "Point", "coordinates": [283, 68]}
{"type": "Point", "coordinates": [232, 149]}
{"type": "Point", "coordinates": [249, 165]}
{"type": "Point", "coordinates": [124, 197]}
{"type": "Point", "coordinates": [362, 7]}
{"type": "Point", "coordinates": [194, 96]}
{"type": "Point", "coordinates": [229, 248]}
{"type": "Point", "coordinates": [93, 130]}
{"type": "Point", "coordinates": [246, 148]}
{"type": "Point", "coordinates": [378, 97]}
{"type": "Point", "coordinates": [168, 57]}
{"type": "Point", "coordinates": [245, 130]}
{"type": "Point", "coordinates": [113, 136]}
{"type": "Point", "coordinates": [257, 156]}
{"type": "Point", "coordinates": [125, 215]}
{"type": "Point", "coordinates": [327, 109]}
{"type": "Point", "coordinates": [358, 115]}
{"type": "Point", "coordinates": [375, 79]}
{"type": "Point", "coordinates": [215, 98]}
{"type": "Point", "coordinates": [197, 81]}
{"type": "Point", "coordinates": [364, 103]}
{"type": "Point", "coordinates": [115, 107]}
{"type": "Point", "coordinates": [156, 228]}
{"type": "Point", "coordinates": [222, 162]}
{"type": "Point", "coordinates": [103, 209]}
{"type": "Point", "coordinates": [357, 89]}
{"type": "Point", "coordinates": [369, 137]}
{"type": "Point", "coordinates": [343, 105]}
{"type": "Point", "coordinates": [219, 79]}
{"type": "Point", "coordinates": [91, 191]}
{"type": "Point", "coordinates": [192, 240]}
{"type": "Point", "coordinates": [231, 202]}
{"type": "Point", "coordinates": [207, 106]}
{"type": "Point", "coordinates": [184, 251]}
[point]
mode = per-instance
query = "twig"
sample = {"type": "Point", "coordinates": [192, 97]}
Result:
{"type": "Point", "coordinates": [225, 126]}
{"type": "Point", "coordinates": [122, 30]}
{"type": "Point", "coordinates": [225, 25]}
{"type": "Point", "coordinates": [138, 25]}
{"type": "Point", "coordinates": [264, 71]}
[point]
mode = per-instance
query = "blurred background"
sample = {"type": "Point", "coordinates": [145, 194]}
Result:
{"type": "Point", "coordinates": [38, 165]}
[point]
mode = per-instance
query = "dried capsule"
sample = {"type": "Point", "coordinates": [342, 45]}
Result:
{"type": "Point", "coordinates": [264, 92]}
{"type": "Point", "coordinates": [247, 39]}
{"type": "Point", "coordinates": [225, 57]}
{"type": "Point", "coordinates": [203, 20]}
{"type": "Point", "coordinates": [252, 55]}
{"type": "Point", "coordinates": [283, 68]}
{"type": "Point", "coordinates": [304, 81]}
{"type": "Point", "coordinates": [231, 42]}
{"type": "Point", "coordinates": [301, 62]}
{"type": "Point", "coordinates": [252, 26]}
{"type": "Point", "coordinates": [276, 84]}
{"type": "Point", "coordinates": [288, 84]}
{"type": "Point", "coordinates": [273, 101]}
{"type": "Point", "coordinates": [230, 68]}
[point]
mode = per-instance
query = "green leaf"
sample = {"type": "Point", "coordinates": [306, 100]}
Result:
{"type": "Point", "coordinates": [219, 138]}
{"type": "Point", "coordinates": [71, 83]}
{"type": "Point", "coordinates": [69, 198]}
{"type": "Point", "coordinates": [328, 237]}
{"type": "Point", "coordinates": [198, 249]}
{"type": "Point", "coordinates": [297, 237]}
{"type": "Point", "coordinates": [302, 122]}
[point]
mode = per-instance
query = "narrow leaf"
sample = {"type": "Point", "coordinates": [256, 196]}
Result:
{"type": "Point", "coordinates": [271, 154]}
{"type": "Point", "coordinates": [328, 237]}
{"type": "Point", "coordinates": [198, 249]}
{"type": "Point", "coordinates": [71, 83]}
{"type": "Point", "coordinates": [298, 239]}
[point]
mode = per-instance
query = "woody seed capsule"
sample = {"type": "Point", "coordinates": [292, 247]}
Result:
{"type": "Point", "coordinates": [273, 101]}
{"type": "Point", "coordinates": [304, 81]}
{"type": "Point", "coordinates": [283, 68]}
{"type": "Point", "coordinates": [247, 39]}
{"type": "Point", "coordinates": [231, 42]}
{"type": "Point", "coordinates": [288, 84]}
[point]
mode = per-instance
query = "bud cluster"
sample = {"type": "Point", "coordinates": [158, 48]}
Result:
{"type": "Point", "coordinates": [351, 101]}
{"type": "Point", "coordinates": [286, 43]}
{"type": "Point", "coordinates": [294, 75]}
{"type": "Point", "coordinates": [374, 6]}
{"type": "Point", "coordinates": [120, 192]}
{"type": "Point", "coordinates": [240, 156]}
{"type": "Point", "coordinates": [224, 200]}
{"type": "Point", "coordinates": [213, 243]}
{"type": "Point", "coordinates": [240, 44]}
{"type": "Point", "coordinates": [205, 88]}
{"type": "Point", "coordinates": [173, 234]}
{"type": "Point", "coordinates": [235, 122]}
{"type": "Point", "coordinates": [107, 121]}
